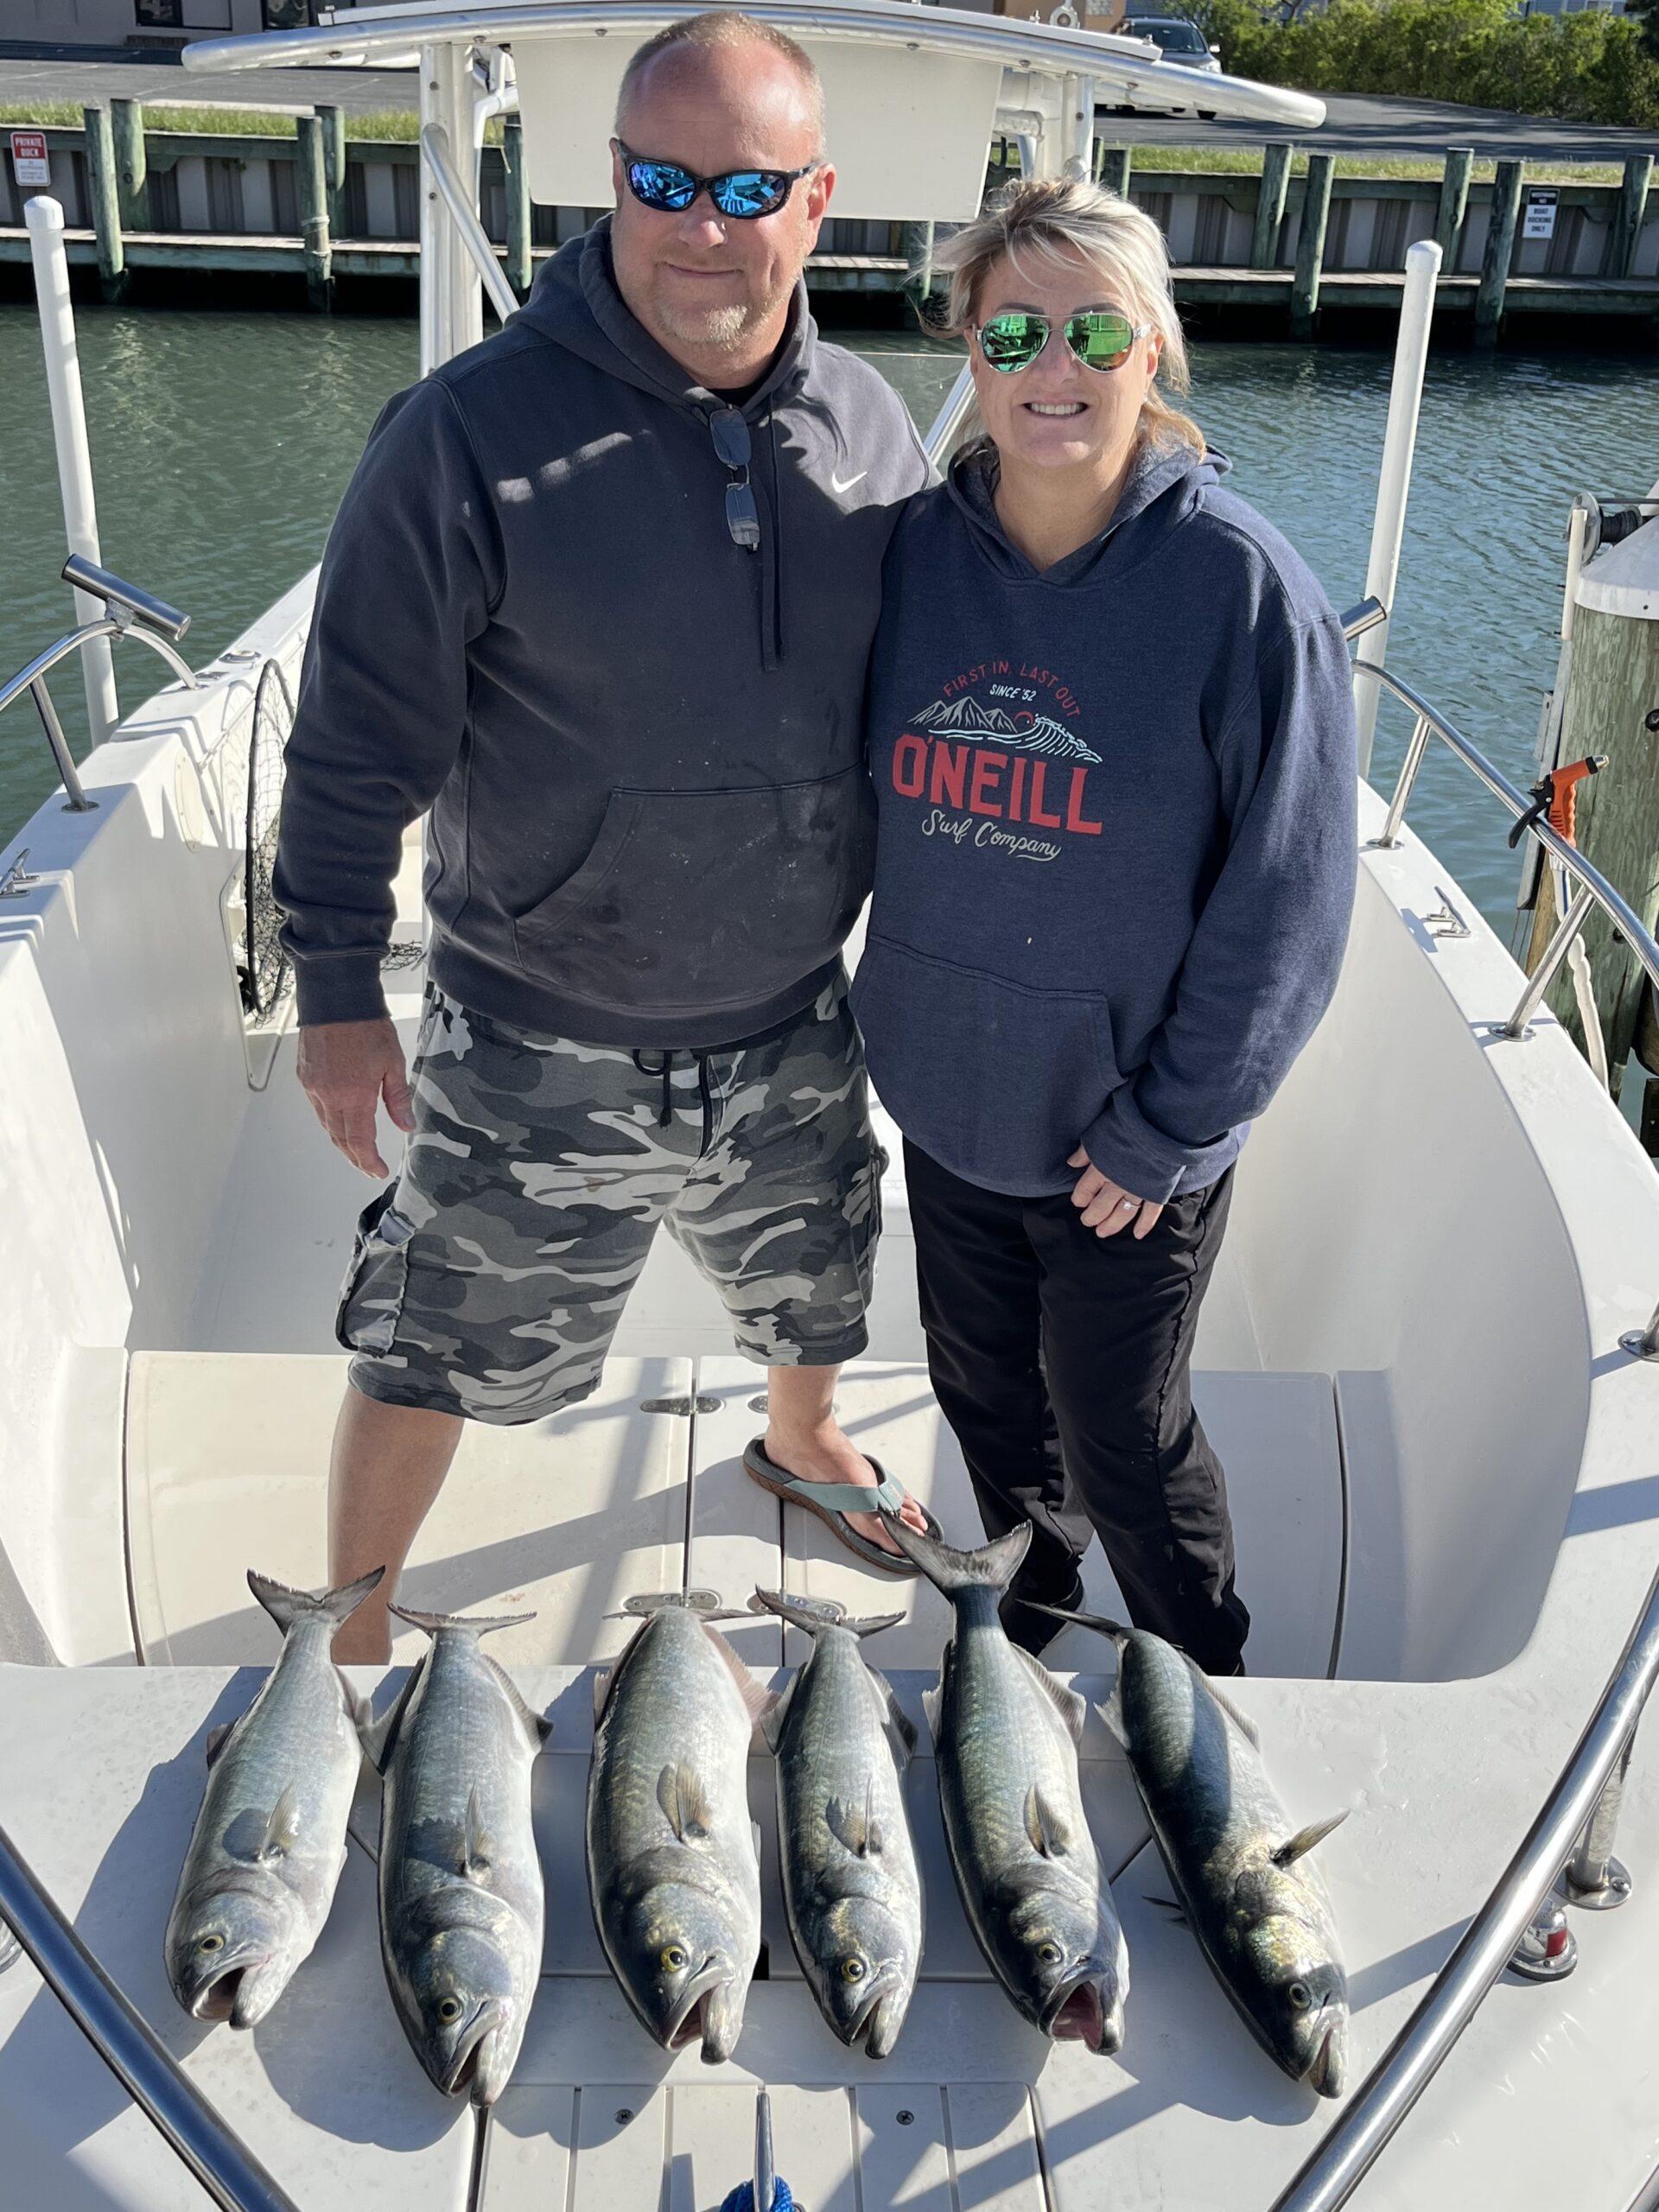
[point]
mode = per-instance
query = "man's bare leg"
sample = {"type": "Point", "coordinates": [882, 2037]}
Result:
{"type": "Point", "coordinates": [804, 1438]}
{"type": "Point", "coordinates": [389, 1464]}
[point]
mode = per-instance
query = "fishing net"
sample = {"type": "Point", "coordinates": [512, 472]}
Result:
{"type": "Point", "coordinates": [263, 967]}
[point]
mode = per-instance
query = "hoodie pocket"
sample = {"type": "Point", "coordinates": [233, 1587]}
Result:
{"type": "Point", "coordinates": [698, 900]}
{"type": "Point", "coordinates": [997, 1081]}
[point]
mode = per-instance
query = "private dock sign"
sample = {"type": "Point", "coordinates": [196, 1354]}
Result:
{"type": "Point", "coordinates": [29, 164]}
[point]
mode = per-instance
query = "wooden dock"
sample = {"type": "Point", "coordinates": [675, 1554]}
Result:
{"type": "Point", "coordinates": [1268, 247]}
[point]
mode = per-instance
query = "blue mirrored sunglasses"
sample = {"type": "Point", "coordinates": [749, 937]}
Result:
{"type": "Point", "coordinates": [743, 195]}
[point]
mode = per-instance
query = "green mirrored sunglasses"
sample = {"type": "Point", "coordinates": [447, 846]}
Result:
{"type": "Point", "coordinates": [1100, 338]}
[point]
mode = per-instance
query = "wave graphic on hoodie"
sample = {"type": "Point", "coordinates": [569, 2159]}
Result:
{"type": "Point", "coordinates": [965, 717]}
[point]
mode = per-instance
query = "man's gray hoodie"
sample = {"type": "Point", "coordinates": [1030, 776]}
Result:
{"type": "Point", "coordinates": [640, 741]}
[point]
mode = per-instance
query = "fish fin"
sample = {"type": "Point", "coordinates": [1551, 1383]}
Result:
{"type": "Point", "coordinates": [949, 1570]}
{"type": "Point", "coordinates": [1049, 1833]}
{"type": "Point", "coordinates": [282, 1827]}
{"type": "Point", "coordinates": [684, 1801]}
{"type": "Point", "coordinates": [1111, 1713]}
{"type": "Point", "coordinates": [932, 1707]}
{"type": "Point", "coordinates": [757, 1699]}
{"type": "Point", "coordinates": [899, 1724]}
{"type": "Point", "coordinates": [480, 1623]}
{"type": "Point", "coordinates": [1299, 1845]}
{"type": "Point", "coordinates": [536, 1725]}
{"type": "Point", "coordinates": [1098, 1622]}
{"type": "Point", "coordinates": [477, 1844]}
{"type": "Point", "coordinates": [1245, 1726]}
{"type": "Point", "coordinates": [772, 1720]}
{"type": "Point", "coordinates": [1073, 1708]}
{"type": "Point", "coordinates": [1169, 1906]}
{"type": "Point", "coordinates": [380, 1737]}
{"type": "Point", "coordinates": [855, 1827]}
{"type": "Point", "coordinates": [286, 1606]}
{"type": "Point", "coordinates": [217, 1736]}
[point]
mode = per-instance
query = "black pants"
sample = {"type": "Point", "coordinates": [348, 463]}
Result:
{"type": "Point", "coordinates": [1061, 1359]}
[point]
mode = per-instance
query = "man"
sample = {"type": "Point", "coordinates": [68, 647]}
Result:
{"type": "Point", "coordinates": [602, 595]}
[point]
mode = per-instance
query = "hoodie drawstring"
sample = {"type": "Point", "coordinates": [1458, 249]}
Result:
{"type": "Point", "coordinates": [777, 533]}
{"type": "Point", "coordinates": [705, 1091]}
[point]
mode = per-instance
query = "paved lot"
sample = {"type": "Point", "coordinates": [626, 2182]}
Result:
{"type": "Point", "coordinates": [1353, 126]}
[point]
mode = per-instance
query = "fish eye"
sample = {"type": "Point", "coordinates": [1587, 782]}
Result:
{"type": "Point", "coordinates": [1048, 1955]}
{"type": "Point", "coordinates": [853, 1969]}
{"type": "Point", "coordinates": [673, 1957]}
{"type": "Point", "coordinates": [1299, 1995]}
{"type": "Point", "coordinates": [211, 1943]}
{"type": "Point", "coordinates": [449, 2010]}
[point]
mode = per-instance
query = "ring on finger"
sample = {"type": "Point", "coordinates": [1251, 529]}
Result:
{"type": "Point", "coordinates": [1130, 1205]}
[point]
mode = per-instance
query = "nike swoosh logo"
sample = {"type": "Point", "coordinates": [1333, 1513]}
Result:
{"type": "Point", "coordinates": [835, 484]}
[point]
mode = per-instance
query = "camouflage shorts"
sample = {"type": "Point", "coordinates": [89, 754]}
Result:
{"type": "Point", "coordinates": [489, 1279]}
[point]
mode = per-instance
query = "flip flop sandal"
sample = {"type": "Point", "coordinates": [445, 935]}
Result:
{"type": "Point", "coordinates": [832, 1502]}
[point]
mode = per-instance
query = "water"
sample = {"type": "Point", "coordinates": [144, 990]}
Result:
{"type": "Point", "coordinates": [221, 445]}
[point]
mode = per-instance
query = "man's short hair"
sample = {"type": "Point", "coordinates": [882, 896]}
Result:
{"type": "Point", "coordinates": [724, 27]}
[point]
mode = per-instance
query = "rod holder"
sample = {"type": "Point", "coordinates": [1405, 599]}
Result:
{"type": "Point", "coordinates": [124, 599]}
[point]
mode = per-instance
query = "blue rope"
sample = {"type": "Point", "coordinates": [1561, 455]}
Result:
{"type": "Point", "coordinates": [742, 2197]}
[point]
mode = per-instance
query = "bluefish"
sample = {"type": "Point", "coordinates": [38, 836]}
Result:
{"type": "Point", "coordinates": [673, 1868]}
{"type": "Point", "coordinates": [461, 1882]}
{"type": "Point", "coordinates": [851, 1889]}
{"type": "Point", "coordinates": [1005, 1738]}
{"type": "Point", "coordinates": [270, 1840]}
{"type": "Point", "coordinates": [1239, 1866]}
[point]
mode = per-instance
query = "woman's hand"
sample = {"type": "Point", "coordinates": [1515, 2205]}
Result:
{"type": "Point", "coordinates": [1106, 1206]}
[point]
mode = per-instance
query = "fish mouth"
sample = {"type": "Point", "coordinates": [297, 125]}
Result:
{"type": "Point", "coordinates": [688, 2024]}
{"type": "Point", "coordinates": [876, 2023]}
{"type": "Point", "coordinates": [1078, 2014]}
{"type": "Point", "coordinates": [469, 2068]}
{"type": "Point", "coordinates": [227, 1997]}
{"type": "Point", "coordinates": [1325, 2076]}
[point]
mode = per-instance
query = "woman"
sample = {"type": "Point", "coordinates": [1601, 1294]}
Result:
{"type": "Point", "coordinates": [1112, 744]}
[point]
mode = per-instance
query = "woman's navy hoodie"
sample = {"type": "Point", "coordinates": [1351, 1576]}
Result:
{"type": "Point", "coordinates": [1117, 838]}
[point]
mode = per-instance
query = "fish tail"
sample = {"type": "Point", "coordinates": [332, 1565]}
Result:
{"type": "Point", "coordinates": [813, 1614]}
{"type": "Point", "coordinates": [480, 1623]}
{"type": "Point", "coordinates": [1098, 1622]}
{"type": "Point", "coordinates": [992, 1567]}
{"type": "Point", "coordinates": [286, 1606]}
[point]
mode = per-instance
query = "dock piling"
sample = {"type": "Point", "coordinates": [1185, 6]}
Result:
{"type": "Point", "coordinates": [315, 233]}
{"type": "Point", "coordinates": [131, 169]}
{"type": "Point", "coordinates": [1629, 216]}
{"type": "Point", "coordinates": [106, 203]}
{"type": "Point", "coordinates": [1500, 251]}
{"type": "Point", "coordinates": [1114, 170]}
{"type": "Point", "coordinates": [519, 225]}
{"type": "Point", "coordinates": [1310, 246]}
{"type": "Point", "coordinates": [1270, 205]}
{"type": "Point", "coordinates": [1454, 204]}
{"type": "Point", "coordinates": [332, 120]}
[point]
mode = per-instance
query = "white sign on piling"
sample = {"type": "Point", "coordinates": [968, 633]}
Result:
{"type": "Point", "coordinates": [1539, 221]}
{"type": "Point", "coordinates": [30, 163]}
{"type": "Point", "coordinates": [45, 222]}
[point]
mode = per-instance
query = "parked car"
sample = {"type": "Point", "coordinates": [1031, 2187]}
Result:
{"type": "Point", "coordinates": [1184, 44]}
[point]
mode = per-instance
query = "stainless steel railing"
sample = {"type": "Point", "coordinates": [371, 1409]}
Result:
{"type": "Point", "coordinates": [1573, 1834]}
{"type": "Point", "coordinates": [1340, 2162]}
{"type": "Point", "coordinates": [131, 614]}
{"type": "Point", "coordinates": [1593, 887]}
{"type": "Point", "coordinates": [150, 2073]}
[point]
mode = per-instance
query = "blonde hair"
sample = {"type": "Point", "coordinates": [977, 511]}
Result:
{"type": "Point", "coordinates": [1053, 219]}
